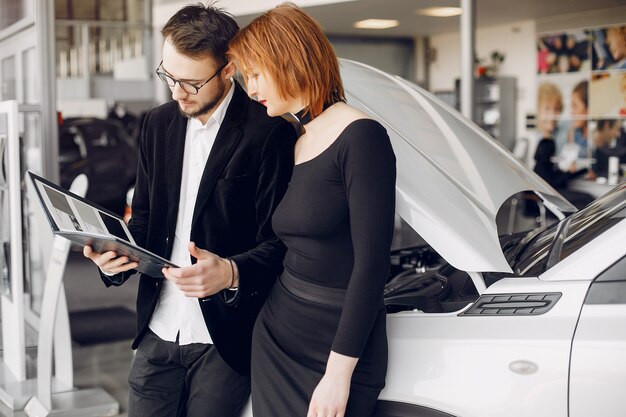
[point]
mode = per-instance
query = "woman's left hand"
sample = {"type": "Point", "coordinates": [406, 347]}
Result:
{"type": "Point", "coordinates": [330, 397]}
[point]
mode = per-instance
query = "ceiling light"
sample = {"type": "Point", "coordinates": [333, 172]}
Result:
{"type": "Point", "coordinates": [439, 11]}
{"type": "Point", "coordinates": [376, 24]}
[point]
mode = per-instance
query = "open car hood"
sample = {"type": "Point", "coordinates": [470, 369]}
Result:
{"type": "Point", "coordinates": [451, 176]}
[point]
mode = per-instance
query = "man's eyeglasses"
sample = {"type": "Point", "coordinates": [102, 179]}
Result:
{"type": "Point", "coordinates": [185, 85]}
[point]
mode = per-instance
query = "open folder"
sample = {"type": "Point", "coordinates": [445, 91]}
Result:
{"type": "Point", "coordinates": [85, 223]}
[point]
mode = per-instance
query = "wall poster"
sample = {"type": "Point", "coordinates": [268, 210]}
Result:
{"type": "Point", "coordinates": [581, 94]}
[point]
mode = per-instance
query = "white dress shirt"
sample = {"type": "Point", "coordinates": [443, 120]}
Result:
{"type": "Point", "coordinates": [176, 314]}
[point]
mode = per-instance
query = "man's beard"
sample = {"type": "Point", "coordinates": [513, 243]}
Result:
{"type": "Point", "coordinates": [209, 105]}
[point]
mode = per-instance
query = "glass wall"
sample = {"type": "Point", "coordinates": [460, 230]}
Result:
{"type": "Point", "coordinates": [8, 89]}
{"type": "Point", "coordinates": [103, 44]}
{"type": "Point", "coordinates": [22, 79]}
{"type": "Point", "coordinates": [12, 11]}
{"type": "Point", "coordinates": [110, 10]}
{"type": "Point", "coordinates": [93, 35]}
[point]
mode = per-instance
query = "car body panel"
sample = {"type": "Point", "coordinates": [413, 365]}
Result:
{"type": "Point", "coordinates": [598, 369]}
{"type": "Point", "coordinates": [462, 364]}
{"type": "Point", "coordinates": [598, 364]}
{"type": "Point", "coordinates": [451, 177]}
{"type": "Point", "coordinates": [472, 358]}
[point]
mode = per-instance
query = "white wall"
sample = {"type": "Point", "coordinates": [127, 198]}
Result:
{"type": "Point", "coordinates": [516, 41]}
{"type": "Point", "coordinates": [390, 55]}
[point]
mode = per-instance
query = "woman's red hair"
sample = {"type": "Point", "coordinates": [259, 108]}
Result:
{"type": "Point", "coordinates": [290, 46]}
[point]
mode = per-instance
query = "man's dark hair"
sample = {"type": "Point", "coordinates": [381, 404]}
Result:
{"type": "Point", "coordinates": [199, 31]}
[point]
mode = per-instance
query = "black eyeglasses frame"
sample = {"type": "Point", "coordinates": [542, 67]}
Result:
{"type": "Point", "coordinates": [166, 78]}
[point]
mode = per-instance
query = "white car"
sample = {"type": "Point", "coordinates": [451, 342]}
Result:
{"type": "Point", "coordinates": [532, 324]}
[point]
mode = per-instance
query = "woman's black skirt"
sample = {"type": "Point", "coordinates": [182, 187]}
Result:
{"type": "Point", "coordinates": [292, 339]}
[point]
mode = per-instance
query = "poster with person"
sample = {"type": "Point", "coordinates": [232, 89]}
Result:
{"type": "Point", "coordinates": [609, 48]}
{"type": "Point", "coordinates": [584, 71]}
{"type": "Point", "coordinates": [562, 110]}
{"type": "Point", "coordinates": [563, 52]}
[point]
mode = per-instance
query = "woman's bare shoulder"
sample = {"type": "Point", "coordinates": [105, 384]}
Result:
{"type": "Point", "coordinates": [349, 114]}
{"type": "Point", "coordinates": [332, 122]}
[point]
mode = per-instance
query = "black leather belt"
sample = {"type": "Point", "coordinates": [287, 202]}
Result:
{"type": "Point", "coordinates": [313, 292]}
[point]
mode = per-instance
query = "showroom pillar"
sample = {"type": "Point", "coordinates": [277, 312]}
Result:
{"type": "Point", "coordinates": [468, 27]}
{"type": "Point", "coordinates": [44, 21]}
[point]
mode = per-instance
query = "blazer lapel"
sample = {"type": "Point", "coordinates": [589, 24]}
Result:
{"type": "Point", "coordinates": [175, 150]}
{"type": "Point", "coordinates": [226, 141]}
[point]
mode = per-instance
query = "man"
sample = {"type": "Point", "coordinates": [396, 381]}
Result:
{"type": "Point", "coordinates": [212, 168]}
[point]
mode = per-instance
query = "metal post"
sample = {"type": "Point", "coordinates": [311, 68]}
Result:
{"type": "Point", "coordinates": [49, 124]}
{"type": "Point", "coordinates": [467, 57]}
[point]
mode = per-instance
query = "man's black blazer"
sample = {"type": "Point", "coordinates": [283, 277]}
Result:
{"type": "Point", "coordinates": [244, 179]}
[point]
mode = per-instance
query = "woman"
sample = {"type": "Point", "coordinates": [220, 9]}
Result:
{"type": "Point", "coordinates": [319, 344]}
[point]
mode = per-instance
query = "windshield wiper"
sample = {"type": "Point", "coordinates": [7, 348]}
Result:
{"type": "Point", "coordinates": [554, 254]}
{"type": "Point", "coordinates": [524, 243]}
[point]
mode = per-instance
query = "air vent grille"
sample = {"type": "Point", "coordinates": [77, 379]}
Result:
{"type": "Point", "coordinates": [513, 304]}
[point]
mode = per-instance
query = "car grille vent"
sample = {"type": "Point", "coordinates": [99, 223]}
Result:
{"type": "Point", "coordinates": [513, 304]}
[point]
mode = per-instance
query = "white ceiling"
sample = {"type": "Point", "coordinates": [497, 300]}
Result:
{"type": "Point", "coordinates": [337, 19]}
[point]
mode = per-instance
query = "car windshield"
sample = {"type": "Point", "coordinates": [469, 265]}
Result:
{"type": "Point", "coordinates": [540, 252]}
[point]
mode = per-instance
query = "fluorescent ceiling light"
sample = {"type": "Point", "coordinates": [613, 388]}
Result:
{"type": "Point", "coordinates": [439, 11]}
{"type": "Point", "coordinates": [376, 24]}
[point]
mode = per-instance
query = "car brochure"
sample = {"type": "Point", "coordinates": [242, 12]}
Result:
{"type": "Point", "coordinates": [85, 223]}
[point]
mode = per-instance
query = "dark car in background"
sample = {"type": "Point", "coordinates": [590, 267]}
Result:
{"type": "Point", "coordinates": [103, 151]}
